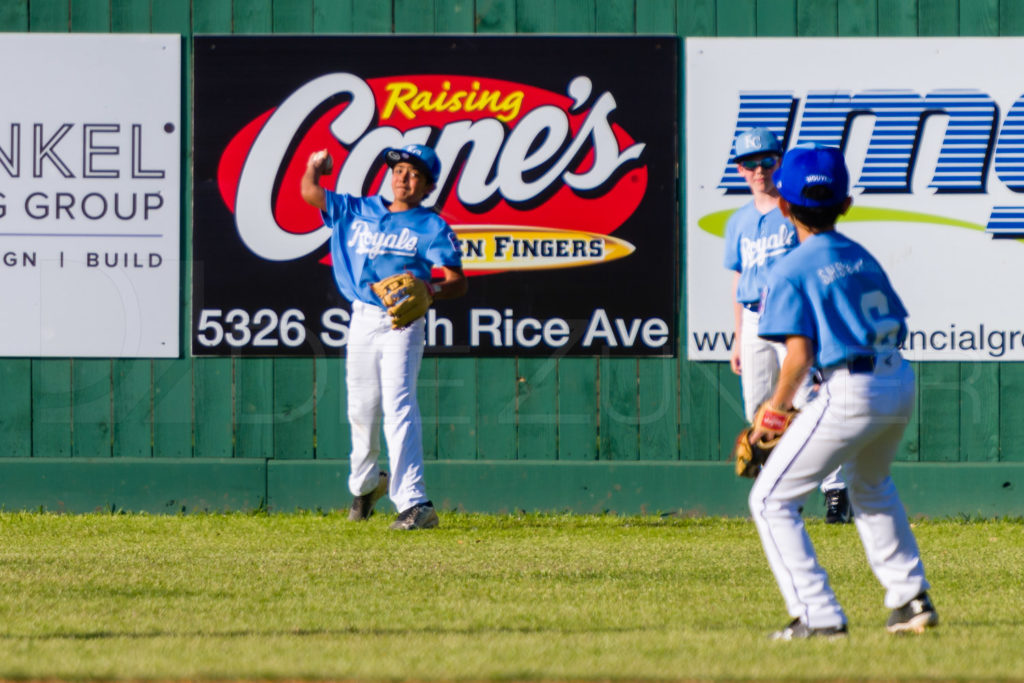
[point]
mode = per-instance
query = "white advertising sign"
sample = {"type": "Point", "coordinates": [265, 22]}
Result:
{"type": "Point", "coordinates": [89, 195]}
{"type": "Point", "coordinates": [933, 134]}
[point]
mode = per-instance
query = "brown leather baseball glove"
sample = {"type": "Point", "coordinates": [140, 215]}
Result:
{"type": "Point", "coordinates": [406, 297]}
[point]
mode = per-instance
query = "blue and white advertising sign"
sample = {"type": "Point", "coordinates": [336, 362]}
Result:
{"type": "Point", "coordinates": [933, 133]}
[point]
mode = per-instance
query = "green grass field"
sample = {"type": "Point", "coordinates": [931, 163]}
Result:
{"type": "Point", "coordinates": [523, 598]}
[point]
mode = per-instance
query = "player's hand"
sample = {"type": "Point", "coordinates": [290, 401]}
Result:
{"type": "Point", "coordinates": [320, 162]}
{"type": "Point", "coordinates": [734, 359]}
{"type": "Point", "coordinates": [761, 434]}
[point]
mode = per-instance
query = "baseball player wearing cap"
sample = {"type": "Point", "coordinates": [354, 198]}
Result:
{"type": "Point", "coordinates": [757, 235]}
{"type": "Point", "coordinates": [374, 238]}
{"type": "Point", "coordinates": [833, 306]}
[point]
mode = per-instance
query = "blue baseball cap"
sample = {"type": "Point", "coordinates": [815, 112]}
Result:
{"type": "Point", "coordinates": [810, 167]}
{"type": "Point", "coordinates": [421, 156]}
{"type": "Point", "coordinates": [756, 141]}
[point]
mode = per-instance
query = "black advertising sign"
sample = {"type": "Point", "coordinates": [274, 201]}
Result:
{"type": "Point", "coordinates": [558, 176]}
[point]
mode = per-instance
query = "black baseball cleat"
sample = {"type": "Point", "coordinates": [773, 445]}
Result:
{"type": "Point", "coordinates": [362, 506]}
{"type": "Point", "coordinates": [798, 630]}
{"type": "Point", "coordinates": [913, 617]}
{"type": "Point", "coordinates": [837, 506]}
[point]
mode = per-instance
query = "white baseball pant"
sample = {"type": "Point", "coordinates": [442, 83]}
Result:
{"type": "Point", "coordinates": [857, 421]}
{"type": "Point", "coordinates": [760, 361]}
{"type": "Point", "coordinates": [382, 367]}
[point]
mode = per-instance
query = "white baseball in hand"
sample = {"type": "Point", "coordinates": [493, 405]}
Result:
{"type": "Point", "coordinates": [324, 163]}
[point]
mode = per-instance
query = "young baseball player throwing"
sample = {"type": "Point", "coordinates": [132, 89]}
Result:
{"type": "Point", "coordinates": [833, 306]}
{"type": "Point", "coordinates": [382, 255]}
{"type": "Point", "coordinates": [757, 235]}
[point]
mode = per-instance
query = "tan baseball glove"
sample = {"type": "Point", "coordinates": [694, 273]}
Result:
{"type": "Point", "coordinates": [751, 457]}
{"type": "Point", "coordinates": [406, 297]}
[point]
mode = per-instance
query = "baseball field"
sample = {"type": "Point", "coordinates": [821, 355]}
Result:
{"type": "Point", "coordinates": [527, 597]}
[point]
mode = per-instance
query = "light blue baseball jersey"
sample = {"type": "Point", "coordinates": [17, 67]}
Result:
{"type": "Point", "coordinates": [833, 291]}
{"type": "Point", "coordinates": [370, 243]}
{"type": "Point", "coordinates": [753, 243]}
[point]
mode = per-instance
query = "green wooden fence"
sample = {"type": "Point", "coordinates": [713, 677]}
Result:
{"type": "Point", "coordinates": [501, 433]}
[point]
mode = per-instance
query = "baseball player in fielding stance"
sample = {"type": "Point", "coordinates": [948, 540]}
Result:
{"type": "Point", "coordinates": [833, 306]}
{"type": "Point", "coordinates": [757, 235]}
{"type": "Point", "coordinates": [373, 239]}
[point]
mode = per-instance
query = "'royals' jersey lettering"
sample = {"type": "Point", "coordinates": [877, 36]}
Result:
{"type": "Point", "coordinates": [753, 242]}
{"type": "Point", "coordinates": [365, 241]}
{"type": "Point", "coordinates": [370, 243]}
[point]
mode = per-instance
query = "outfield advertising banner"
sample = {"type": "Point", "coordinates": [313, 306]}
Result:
{"type": "Point", "coordinates": [558, 177]}
{"type": "Point", "coordinates": [90, 195]}
{"type": "Point", "coordinates": [933, 133]}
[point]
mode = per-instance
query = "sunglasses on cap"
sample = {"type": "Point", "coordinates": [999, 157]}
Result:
{"type": "Point", "coordinates": [763, 162]}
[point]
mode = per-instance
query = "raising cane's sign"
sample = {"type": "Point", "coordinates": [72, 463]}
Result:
{"type": "Point", "coordinates": [558, 177]}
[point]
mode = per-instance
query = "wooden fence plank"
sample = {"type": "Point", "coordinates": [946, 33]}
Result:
{"type": "Point", "coordinates": [454, 16]}
{"type": "Point", "coordinates": [372, 17]}
{"type": "Point", "coordinates": [817, 18]}
{"type": "Point", "coordinates": [215, 415]}
{"type": "Point", "coordinates": [534, 16]}
{"type": "Point", "coordinates": [456, 409]}
{"type": "Point", "coordinates": [496, 408]}
{"type": "Point", "coordinates": [897, 17]}
{"type": "Point", "coordinates": [16, 408]}
{"type": "Point", "coordinates": [254, 407]}
{"type": "Point", "coordinates": [938, 18]}
{"type": "Point", "coordinates": [1011, 408]}
{"type": "Point", "coordinates": [658, 409]}
{"type": "Point", "coordinates": [776, 18]}
{"type": "Point", "coordinates": [579, 16]}
{"type": "Point", "coordinates": [537, 411]}
{"type": "Point", "coordinates": [939, 401]}
{"type": "Point", "coordinates": [333, 436]}
{"type": "Point", "coordinates": [130, 16]}
{"type": "Point", "coordinates": [698, 382]}
{"type": "Point", "coordinates": [211, 16]}
{"type": "Point", "coordinates": [91, 434]}
{"type": "Point", "coordinates": [577, 409]}
{"type": "Point", "coordinates": [414, 16]}
{"type": "Point", "coordinates": [294, 397]}
{"type": "Point", "coordinates": [14, 16]}
{"type": "Point", "coordinates": [293, 16]}
{"type": "Point", "coordinates": [616, 16]}
{"type": "Point", "coordinates": [737, 18]}
{"type": "Point", "coordinates": [979, 18]}
{"type": "Point", "coordinates": [252, 16]}
{"type": "Point", "coordinates": [858, 17]}
{"type": "Point", "coordinates": [90, 16]}
{"type": "Point", "coordinates": [495, 16]}
{"type": "Point", "coordinates": [655, 16]}
{"type": "Point", "coordinates": [133, 408]}
{"type": "Point", "coordinates": [173, 16]}
{"type": "Point", "coordinates": [333, 16]}
{"type": "Point", "coordinates": [51, 408]}
{"type": "Point", "coordinates": [979, 414]}
{"type": "Point", "coordinates": [49, 16]}
{"type": "Point", "coordinates": [426, 396]}
{"type": "Point", "coordinates": [173, 415]}
{"type": "Point", "coordinates": [910, 446]}
{"type": "Point", "coordinates": [618, 429]}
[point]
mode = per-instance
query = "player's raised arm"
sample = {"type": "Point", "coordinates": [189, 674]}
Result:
{"type": "Point", "coordinates": [319, 163]}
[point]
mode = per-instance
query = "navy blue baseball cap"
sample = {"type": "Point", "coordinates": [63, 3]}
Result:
{"type": "Point", "coordinates": [813, 175]}
{"type": "Point", "coordinates": [756, 141]}
{"type": "Point", "coordinates": [421, 156]}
